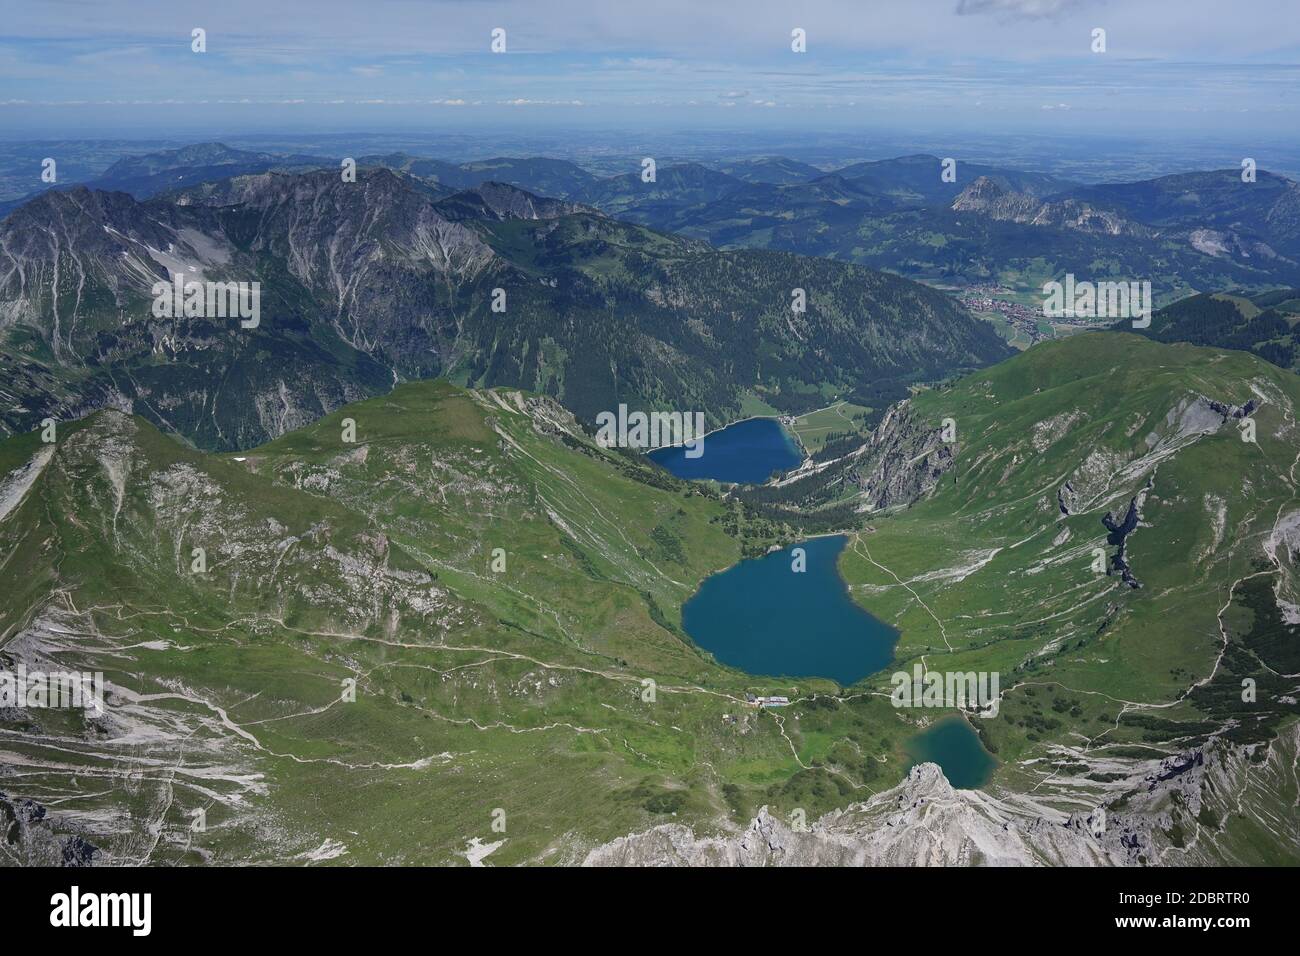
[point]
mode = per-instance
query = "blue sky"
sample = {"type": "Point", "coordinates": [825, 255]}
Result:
{"type": "Point", "coordinates": [1223, 68]}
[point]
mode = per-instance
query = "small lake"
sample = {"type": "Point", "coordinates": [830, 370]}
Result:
{"type": "Point", "coordinates": [955, 747]}
{"type": "Point", "coordinates": [762, 617]}
{"type": "Point", "coordinates": [745, 453]}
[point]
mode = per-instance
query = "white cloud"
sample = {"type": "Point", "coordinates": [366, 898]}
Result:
{"type": "Point", "coordinates": [1031, 9]}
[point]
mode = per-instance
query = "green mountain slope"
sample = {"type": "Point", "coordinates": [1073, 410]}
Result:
{"type": "Point", "coordinates": [519, 687]}
{"type": "Point", "coordinates": [1263, 324]}
{"type": "Point", "coordinates": [1106, 687]}
{"type": "Point", "coordinates": [305, 588]}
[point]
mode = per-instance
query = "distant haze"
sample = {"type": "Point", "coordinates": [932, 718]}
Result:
{"type": "Point", "coordinates": [1192, 67]}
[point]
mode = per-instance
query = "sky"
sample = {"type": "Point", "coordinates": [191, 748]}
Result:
{"type": "Point", "coordinates": [127, 66]}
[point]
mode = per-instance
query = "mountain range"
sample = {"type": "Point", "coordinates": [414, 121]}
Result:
{"type": "Point", "coordinates": [1185, 232]}
{"type": "Point", "coordinates": [371, 282]}
{"type": "Point", "coordinates": [364, 588]}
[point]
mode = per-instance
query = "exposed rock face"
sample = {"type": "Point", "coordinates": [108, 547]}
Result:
{"type": "Point", "coordinates": [991, 198]}
{"type": "Point", "coordinates": [60, 247]}
{"type": "Point", "coordinates": [1126, 526]}
{"type": "Point", "coordinates": [921, 822]}
{"type": "Point", "coordinates": [1066, 498]}
{"type": "Point", "coordinates": [369, 263]}
{"type": "Point", "coordinates": [902, 461]}
{"type": "Point", "coordinates": [988, 196]}
{"type": "Point", "coordinates": [27, 839]}
{"type": "Point", "coordinates": [320, 223]}
{"type": "Point", "coordinates": [1180, 810]}
{"type": "Point", "coordinates": [1234, 411]}
{"type": "Point", "coordinates": [1119, 532]}
{"type": "Point", "coordinates": [363, 284]}
{"type": "Point", "coordinates": [1214, 242]}
{"type": "Point", "coordinates": [1190, 806]}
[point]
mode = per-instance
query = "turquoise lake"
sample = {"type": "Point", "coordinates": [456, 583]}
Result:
{"type": "Point", "coordinates": [762, 617]}
{"type": "Point", "coordinates": [954, 746]}
{"type": "Point", "coordinates": [745, 453]}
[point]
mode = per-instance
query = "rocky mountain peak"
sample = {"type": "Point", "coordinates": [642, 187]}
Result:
{"type": "Point", "coordinates": [984, 188]}
{"type": "Point", "coordinates": [987, 194]}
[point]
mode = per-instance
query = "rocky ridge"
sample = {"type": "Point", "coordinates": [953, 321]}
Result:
{"type": "Point", "coordinates": [1164, 818]}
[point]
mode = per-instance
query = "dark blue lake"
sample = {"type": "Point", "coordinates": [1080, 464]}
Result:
{"type": "Point", "coordinates": [745, 453]}
{"type": "Point", "coordinates": [764, 618]}
{"type": "Point", "coordinates": [954, 746]}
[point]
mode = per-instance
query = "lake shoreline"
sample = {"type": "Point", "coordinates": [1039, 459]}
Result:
{"type": "Point", "coordinates": [746, 452]}
{"type": "Point", "coordinates": [764, 619]}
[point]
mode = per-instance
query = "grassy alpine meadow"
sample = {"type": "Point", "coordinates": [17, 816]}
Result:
{"type": "Point", "coordinates": [371, 639]}
{"type": "Point", "coordinates": [836, 419]}
{"type": "Point", "coordinates": [671, 435]}
{"type": "Point", "coordinates": [444, 625]}
{"type": "Point", "coordinates": [999, 571]}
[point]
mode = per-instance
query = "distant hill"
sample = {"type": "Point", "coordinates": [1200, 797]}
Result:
{"type": "Point", "coordinates": [772, 169]}
{"type": "Point", "coordinates": [546, 177]}
{"type": "Point", "coordinates": [150, 174]}
{"type": "Point", "coordinates": [916, 180]}
{"type": "Point", "coordinates": [1018, 229]}
{"type": "Point", "coordinates": [154, 173]}
{"type": "Point", "coordinates": [1183, 233]}
{"type": "Point", "coordinates": [742, 200]}
{"type": "Point", "coordinates": [674, 187]}
{"type": "Point", "coordinates": [1186, 232]}
{"type": "Point", "coordinates": [502, 202]}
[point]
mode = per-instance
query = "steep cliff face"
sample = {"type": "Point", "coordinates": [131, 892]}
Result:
{"type": "Point", "coordinates": [1119, 532]}
{"type": "Point", "coordinates": [901, 461]}
{"type": "Point", "coordinates": [388, 270]}
{"type": "Point", "coordinates": [330, 231]}
{"type": "Point", "coordinates": [73, 264]}
{"type": "Point", "coordinates": [357, 282]}
{"type": "Point", "coordinates": [987, 196]}
{"type": "Point", "coordinates": [904, 460]}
